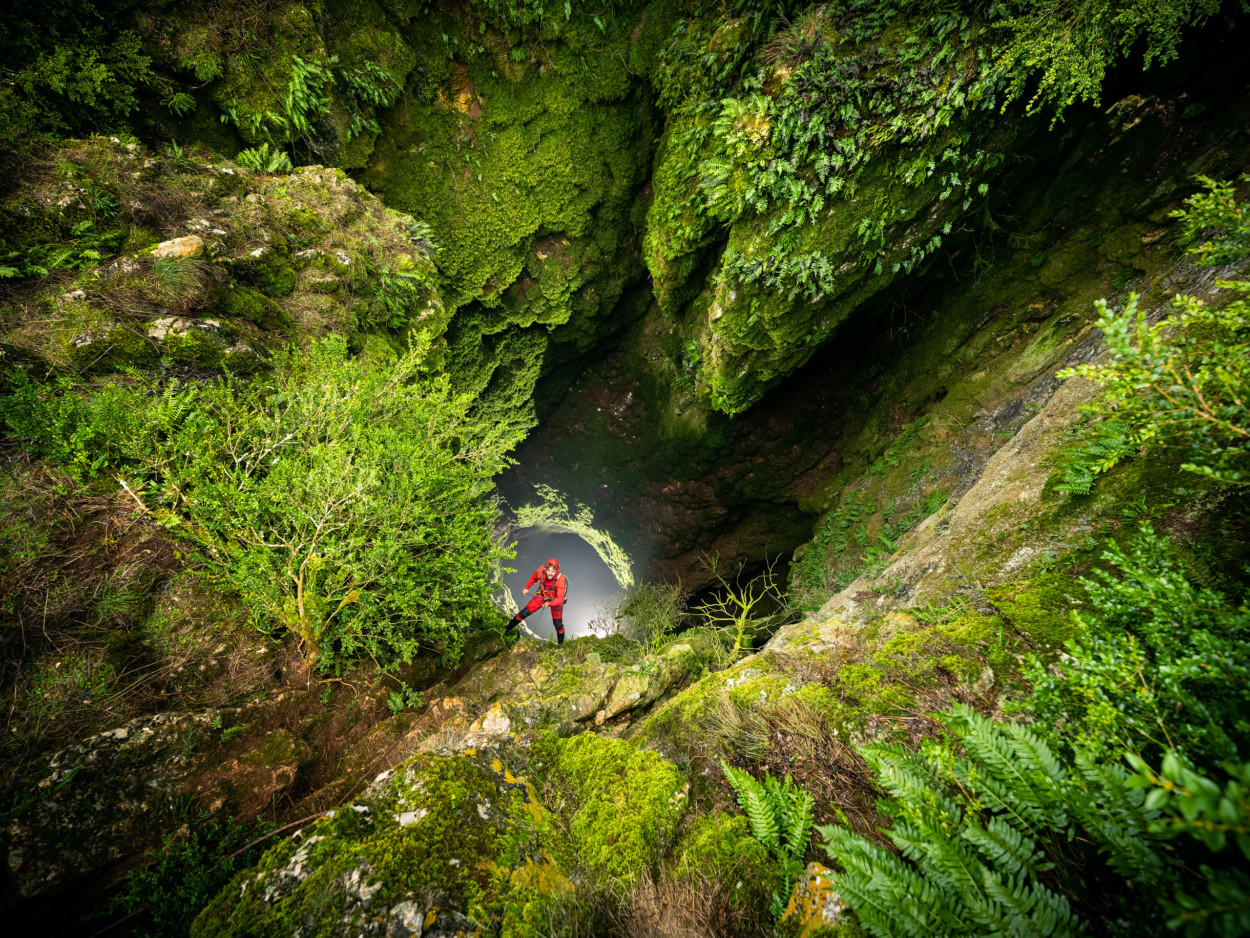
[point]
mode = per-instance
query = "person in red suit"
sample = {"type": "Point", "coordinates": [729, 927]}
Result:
{"type": "Point", "coordinates": [550, 592]}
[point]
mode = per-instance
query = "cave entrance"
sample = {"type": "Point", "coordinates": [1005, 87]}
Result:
{"type": "Point", "coordinates": [593, 587]}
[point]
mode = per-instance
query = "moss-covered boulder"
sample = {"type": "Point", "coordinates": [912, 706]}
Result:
{"type": "Point", "coordinates": [102, 800]}
{"type": "Point", "coordinates": [203, 264]}
{"type": "Point", "coordinates": [464, 843]}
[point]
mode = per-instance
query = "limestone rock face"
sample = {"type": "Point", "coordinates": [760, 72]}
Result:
{"type": "Point", "coordinates": [510, 695]}
{"type": "Point", "coordinates": [190, 246]}
{"type": "Point", "coordinates": [462, 843]}
{"type": "Point", "coordinates": [402, 861]}
{"type": "Point", "coordinates": [103, 799]}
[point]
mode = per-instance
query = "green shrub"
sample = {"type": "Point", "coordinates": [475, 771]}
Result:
{"type": "Point", "coordinates": [70, 68]}
{"type": "Point", "coordinates": [185, 874]}
{"type": "Point", "coordinates": [264, 160]}
{"type": "Point", "coordinates": [653, 612]}
{"type": "Point", "coordinates": [1161, 665]}
{"type": "Point", "coordinates": [1183, 383]}
{"type": "Point", "coordinates": [343, 500]}
{"type": "Point", "coordinates": [1007, 830]}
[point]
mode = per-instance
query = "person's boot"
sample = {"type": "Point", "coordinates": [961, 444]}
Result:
{"type": "Point", "coordinates": [511, 631]}
{"type": "Point", "coordinates": [560, 637]}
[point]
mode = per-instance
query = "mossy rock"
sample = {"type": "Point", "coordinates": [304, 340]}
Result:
{"type": "Point", "coordinates": [240, 302]}
{"type": "Point", "coordinates": [446, 841]}
{"type": "Point", "coordinates": [269, 271]}
{"type": "Point", "coordinates": [622, 804]}
{"type": "Point", "coordinates": [458, 841]}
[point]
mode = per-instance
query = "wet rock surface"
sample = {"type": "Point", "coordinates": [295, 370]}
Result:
{"type": "Point", "coordinates": [103, 800]}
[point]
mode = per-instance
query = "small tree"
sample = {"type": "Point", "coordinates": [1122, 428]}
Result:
{"type": "Point", "coordinates": [736, 609]}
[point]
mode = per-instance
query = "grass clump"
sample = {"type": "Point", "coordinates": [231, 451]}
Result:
{"type": "Point", "coordinates": [652, 612]}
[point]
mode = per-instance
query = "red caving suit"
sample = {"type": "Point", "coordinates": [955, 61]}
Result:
{"type": "Point", "coordinates": [549, 591]}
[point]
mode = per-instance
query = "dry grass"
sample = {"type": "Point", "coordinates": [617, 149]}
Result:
{"type": "Point", "coordinates": [100, 620]}
{"type": "Point", "coordinates": [796, 42]}
{"type": "Point", "coordinates": [796, 739]}
{"type": "Point", "coordinates": [667, 906]}
{"type": "Point", "coordinates": [148, 289]}
{"type": "Point", "coordinates": [695, 907]}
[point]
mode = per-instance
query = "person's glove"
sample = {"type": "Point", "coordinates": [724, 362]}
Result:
{"type": "Point", "coordinates": [526, 591]}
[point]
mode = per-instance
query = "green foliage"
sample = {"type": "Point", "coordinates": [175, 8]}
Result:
{"type": "Point", "coordinates": [69, 68]}
{"type": "Point", "coordinates": [991, 841]}
{"type": "Point", "coordinates": [1004, 831]}
{"type": "Point", "coordinates": [1196, 806]}
{"type": "Point", "coordinates": [654, 611]}
{"type": "Point", "coordinates": [304, 101]}
{"type": "Point", "coordinates": [264, 160]}
{"type": "Point", "coordinates": [186, 873]}
{"type": "Point", "coordinates": [343, 500]}
{"type": "Point", "coordinates": [369, 87]}
{"type": "Point", "coordinates": [1064, 50]}
{"type": "Point", "coordinates": [781, 819]}
{"type": "Point", "coordinates": [403, 699]}
{"type": "Point", "coordinates": [85, 246]}
{"type": "Point", "coordinates": [810, 158]}
{"type": "Point", "coordinates": [1185, 651]}
{"type": "Point", "coordinates": [842, 550]}
{"type": "Point", "coordinates": [1100, 446]}
{"type": "Point", "coordinates": [1183, 383]}
{"type": "Point", "coordinates": [527, 15]}
{"type": "Point", "coordinates": [180, 103]}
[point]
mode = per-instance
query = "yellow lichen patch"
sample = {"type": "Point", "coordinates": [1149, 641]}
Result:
{"type": "Point", "coordinates": [430, 916]}
{"type": "Point", "coordinates": [544, 877]}
{"type": "Point", "coordinates": [532, 804]}
{"type": "Point", "coordinates": [497, 767]}
{"type": "Point", "coordinates": [815, 904]}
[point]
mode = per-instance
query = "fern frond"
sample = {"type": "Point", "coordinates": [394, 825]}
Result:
{"type": "Point", "coordinates": [757, 803]}
{"type": "Point", "coordinates": [799, 822]}
{"type": "Point", "coordinates": [888, 895]}
{"type": "Point", "coordinates": [1004, 846]}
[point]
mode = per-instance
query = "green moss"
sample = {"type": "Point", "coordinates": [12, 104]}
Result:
{"type": "Point", "coordinates": [451, 831]}
{"type": "Point", "coordinates": [270, 273]}
{"type": "Point", "coordinates": [240, 302]}
{"type": "Point", "coordinates": [1040, 608]}
{"type": "Point", "coordinates": [622, 804]}
{"type": "Point", "coordinates": [680, 722]}
{"type": "Point", "coordinates": [528, 172]}
{"type": "Point", "coordinates": [719, 850]}
{"type": "Point", "coordinates": [195, 347]}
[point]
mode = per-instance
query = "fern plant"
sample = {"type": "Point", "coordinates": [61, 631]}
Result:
{"type": "Point", "coordinates": [1099, 448]}
{"type": "Point", "coordinates": [780, 813]}
{"type": "Point", "coordinates": [264, 160]}
{"type": "Point", "coordinates": [986, 837]}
